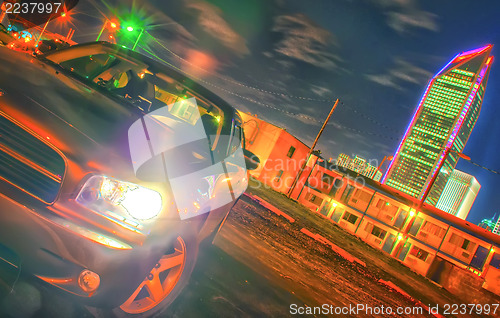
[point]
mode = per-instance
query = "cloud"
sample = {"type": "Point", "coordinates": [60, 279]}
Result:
{"type": "Point", "coordinates": [404, 15]}
{"type": "Point", "coordinates": [305, 41]}
{"type": "Point", "coordinates": [268, 54]}
{"type": "Point", "coordinates": [384, 80]}
{"type": "Point", "coordinates": [402, 72]}
{"type": "Point", "coordinates": [321, 91]}
{"type": "Point", "coordinates": [401, 22]}
{"type": "Point", "coordinates": [210, 18]}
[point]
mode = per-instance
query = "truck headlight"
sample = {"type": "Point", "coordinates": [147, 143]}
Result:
{"type": "Point", "coordinates": [114, 197]}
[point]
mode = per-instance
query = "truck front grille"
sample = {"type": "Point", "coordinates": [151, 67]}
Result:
{"type": "Point", "coordinates": [28, 163]}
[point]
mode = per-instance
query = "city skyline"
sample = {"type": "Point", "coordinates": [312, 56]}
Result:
{"type": "Point", "coordinates": [441, 126]}
{"type": "Point", "coordinates": [288, 62]}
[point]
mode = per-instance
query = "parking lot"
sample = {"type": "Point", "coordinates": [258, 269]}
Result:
{"type": "Point", "coordinates": [260, 265]}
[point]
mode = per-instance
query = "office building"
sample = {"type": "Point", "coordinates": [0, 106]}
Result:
{"type": "Point", "coordinates": [343, 160]}
{"type": "Point", "coordinates": [459, 194]}
{"type": "Point", "coordinates": [440, 126]}
{"type": "Point", "coordinates": [359, 165]}
{"type": "Point", "coordinates": [496, 229]}
{"type": "Point", "coordinates": [489, 224]}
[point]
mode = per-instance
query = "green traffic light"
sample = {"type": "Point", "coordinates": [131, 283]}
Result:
{"type": "Point", "coordinates": [130, 29]}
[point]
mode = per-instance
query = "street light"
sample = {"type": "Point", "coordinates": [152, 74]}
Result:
{"type": "Point", "coordinates": [112, 24]}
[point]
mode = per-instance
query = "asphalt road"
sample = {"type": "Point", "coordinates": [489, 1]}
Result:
{"type": "Point", "coordinates": [259, 266]}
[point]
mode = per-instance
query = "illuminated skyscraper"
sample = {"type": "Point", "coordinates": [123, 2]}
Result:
{"type": "Point", "coordinates": [359, 165]}
{"type": "Point", "coordinates": [496, 229]}
{"type": "Point", "coordinates": [459, 194]}
{"type": "Point", "coordinates": [441, 124]}
{"type": "Point", "coordinates": [343, 160]}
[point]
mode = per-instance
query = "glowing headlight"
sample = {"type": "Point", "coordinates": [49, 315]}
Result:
{"type": "Point", "coordinates": [114, 197]}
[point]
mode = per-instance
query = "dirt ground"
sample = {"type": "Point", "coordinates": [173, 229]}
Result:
{"type": "Point", "coordinates": [262, 265]}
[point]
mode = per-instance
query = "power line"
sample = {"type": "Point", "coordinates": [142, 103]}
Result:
{"type": "Point", "coordinates": [349, 107]}
{"type": "Point", "coordinates": [361, 114]}
{"type": "Point", "coordinates": [231, 92]}
{"type": "Point", "coordinates": [483, 167]}
{"type": "Point", "coordinates": [310, 118]}
{"type": "Point", "coordinates": [335, 123]}
{"type": "Point", "coordinates": [329, 100]}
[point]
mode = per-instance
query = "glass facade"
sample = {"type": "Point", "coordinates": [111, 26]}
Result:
{"type": "Point", "coordinates": [443, 122]}
{"type": "Point", "coordinates": [459, 194]}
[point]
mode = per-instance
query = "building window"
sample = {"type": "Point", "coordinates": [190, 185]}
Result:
{"type": "Point", "coordinates": [381, 204]}
{"type": "Point", "coordinates": [349, 217]}
{"type": "Point", "coordinates": [433, 229]}
{"type": "Point", "coordinates": [361, 195]}
{"type": "Point", "coordinates": [360, 199]}
{"type": "Point", "coordinates": [337, 184]}
{"type": "Point", "coordinates": [465, 244]}
{"type": "Point", "coordinates": [278, 176]}
{"type": "Point", "coordinates": [313, 199]}
{"type": "Point", "coordinates": [327, 179]}
{"type": "Point", "coordinates": [419, 253]}
{"type": "Point", "coordinates": [290, 152]}
{"type": "Point", "coordinates": [461, 242]}
{"type": "Point", "coordinates": [378, 232]}
{"type": "Point", "coordinates": [495, 261]}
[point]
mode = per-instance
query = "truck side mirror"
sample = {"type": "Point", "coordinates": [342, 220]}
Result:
{"type": "Point", "coordinates": [251, 160]}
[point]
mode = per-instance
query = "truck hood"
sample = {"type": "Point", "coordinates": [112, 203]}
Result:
{"type": "Point", "coordinates": [85, 124]}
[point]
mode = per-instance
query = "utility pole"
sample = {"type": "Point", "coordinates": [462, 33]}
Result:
{"type": "Point", "coordinates": [312, 149]}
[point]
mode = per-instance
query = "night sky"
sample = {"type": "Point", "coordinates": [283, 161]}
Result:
{"type": "Point", "coordinates": [287, 61]}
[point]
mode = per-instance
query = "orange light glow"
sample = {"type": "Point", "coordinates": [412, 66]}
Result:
{"type": "Point", "coordinates": [199, 63]}
{"type": "Point", "coordinates": [17, 117]}
{"type": "Point", "coordinates": [95, 166]}
{"type": "Point", "coordinates": [58, 281]}
{"type": "Point", "coordinates": [88, 281]}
